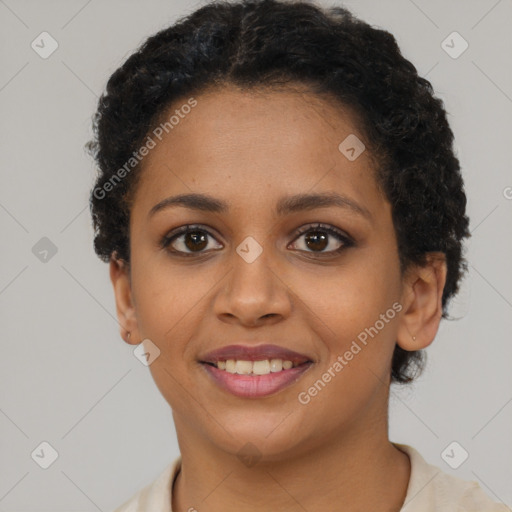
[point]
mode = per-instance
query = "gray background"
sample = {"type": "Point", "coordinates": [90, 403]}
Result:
{"type": "Point", "coordinates": [67, 377]}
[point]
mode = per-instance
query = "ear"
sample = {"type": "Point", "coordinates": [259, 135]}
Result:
{"type": "Point", "coordinates": [422, 303]}
{"type": "Point", "coordinates": [125, 307]}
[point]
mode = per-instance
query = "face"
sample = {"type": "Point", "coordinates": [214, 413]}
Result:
{"type": "Point", "coordinates": [290, 255]}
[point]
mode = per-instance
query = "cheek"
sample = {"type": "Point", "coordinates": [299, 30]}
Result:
{"type": "Point", "coordinates": [168, 302]}
{"type": "Point", "coordinates": [358, 342]}
{"type": "Point", "coordinates": [172, 300]}
{"type": "Point", "coordinates": [164, 296]}
{"type": "Point", "coordinates": [350, 298]}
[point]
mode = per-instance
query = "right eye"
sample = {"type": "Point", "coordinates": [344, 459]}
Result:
{"type": "Point", "coordinates": [188, 240]}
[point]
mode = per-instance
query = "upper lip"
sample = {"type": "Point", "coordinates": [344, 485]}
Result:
{"type": "Point", "coordinates": [253, 353]}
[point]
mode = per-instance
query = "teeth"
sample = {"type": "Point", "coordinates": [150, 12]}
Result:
{"type": "Point", "coordinates": [263, 367]}
{"type": "Point", "coordinates": [230, 366]}
{"type": "Point", "coordinates": [243, 367]}
{"type": "Point", "coordinates": [276, 365]}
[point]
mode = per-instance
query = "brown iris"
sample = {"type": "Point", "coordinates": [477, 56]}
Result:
{"type": "Point", "coordinates": [316, 240]}
{"type": "Point", "coordinates": [196, 240]}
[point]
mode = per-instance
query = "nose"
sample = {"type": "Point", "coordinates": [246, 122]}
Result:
{"type": "Point", "coordinates": [253, 294]}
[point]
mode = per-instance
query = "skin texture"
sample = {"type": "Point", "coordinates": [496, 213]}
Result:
{"type": "Point", "coordinates": [250, 149]}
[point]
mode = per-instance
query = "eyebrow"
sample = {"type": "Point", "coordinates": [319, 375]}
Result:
{"type": "Point", "coordinates": [285, 205]}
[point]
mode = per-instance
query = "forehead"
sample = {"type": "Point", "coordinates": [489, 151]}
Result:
{"type": "Point", "coordinates": [256, 119]}
{"type": "Point", "coordinates": [235, 141]}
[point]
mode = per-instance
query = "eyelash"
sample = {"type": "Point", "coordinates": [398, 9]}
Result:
{"type": "Point", "coordinates": [192, 228]}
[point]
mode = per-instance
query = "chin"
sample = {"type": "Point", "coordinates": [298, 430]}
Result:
{"type": "Point", "coordinates": [272, 437]}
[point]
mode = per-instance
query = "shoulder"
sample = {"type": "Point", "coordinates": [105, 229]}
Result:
{"type": "Point", "coordinates": [431, 489]}
{"type": "Point", "coordinates": [155, 496]}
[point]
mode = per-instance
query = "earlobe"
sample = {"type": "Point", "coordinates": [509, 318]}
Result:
{"type": "Point", "coordinates": [120, 278]}
{"type": "Point", "coordinates": [422, 301]}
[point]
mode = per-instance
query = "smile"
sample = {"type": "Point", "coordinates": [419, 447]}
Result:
{"type": "Point", "coordinates": [263, 367]}
{"type": "Point", "coordinates": [254, 371]}
{"type": "Point", "coordinates": [253, 385]}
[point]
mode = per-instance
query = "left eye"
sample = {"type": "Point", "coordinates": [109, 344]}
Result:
{"type": "Point", "coordinates": [319, 239]}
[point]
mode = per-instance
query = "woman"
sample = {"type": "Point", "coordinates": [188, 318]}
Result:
{"type": "Point", "coordinates": [284, 216]}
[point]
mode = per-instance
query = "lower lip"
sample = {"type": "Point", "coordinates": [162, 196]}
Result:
{"type": "Point", "coordinates": [257, 386]}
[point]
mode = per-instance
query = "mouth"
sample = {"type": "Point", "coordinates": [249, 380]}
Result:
{"type": "Point", "coordinates": [255, 371]}
{"type": "Point", "coordinates": [253, 368]}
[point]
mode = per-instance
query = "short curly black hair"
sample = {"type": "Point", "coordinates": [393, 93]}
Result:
{"type": "Point", "coordinates": [267, 43]}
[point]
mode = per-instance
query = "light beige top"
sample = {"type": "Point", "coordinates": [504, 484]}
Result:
{"type": "Point", "coordinates": [429, 490]}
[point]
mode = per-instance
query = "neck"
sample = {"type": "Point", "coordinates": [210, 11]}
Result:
{"type": "Point", "coordinates": [354, 471]}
